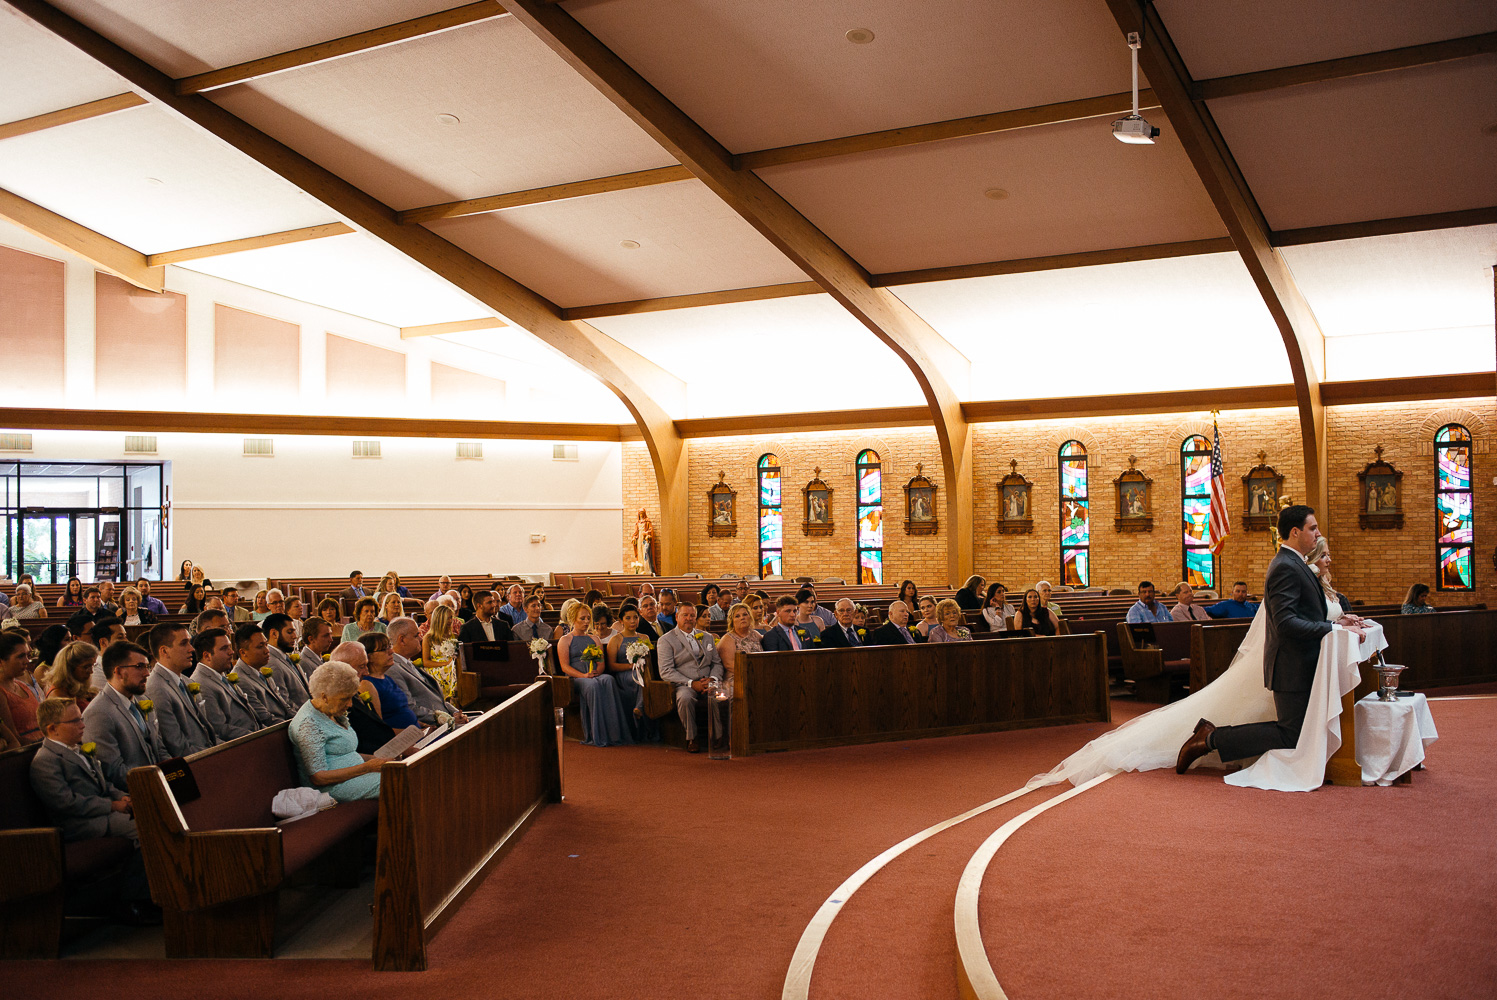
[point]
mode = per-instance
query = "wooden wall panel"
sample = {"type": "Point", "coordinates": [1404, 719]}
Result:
{"type": "Point", "coordinates": [31, 311]}
{"type": "Point", "coordinates": [140, 341]}
{"type": "Point", "coordinates": [454, 390]}
{"type": "Point", "coordinates": [255, 355]}
{"type": "Point", "coordinates": [363, 373]}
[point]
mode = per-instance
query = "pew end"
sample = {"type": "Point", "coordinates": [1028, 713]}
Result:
{"type": "Point", "coordinates": [31, 893]}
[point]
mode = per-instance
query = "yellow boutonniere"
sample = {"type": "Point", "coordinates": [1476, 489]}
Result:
{"type": "Point", "coordinates": [232, 677]}
{"type": "Point", "coordinates": [417, 662]}
{"type": "Point", "coordinates": [89, 748]}
{"type": "Point", "coordinates": [699, 635]}
{"type": "Point", "coordinates": [145, 705]}
{"type": "Point", "coordinates": [266, 671]}
{"type": "Point", "coordinates": [295, 657]}
{"type": "Point", "coordinates": [366, 697]}
{"type": "Point", "coordinates": [862, 632]}
{"type": "Point", "coordinates": [194, 687]}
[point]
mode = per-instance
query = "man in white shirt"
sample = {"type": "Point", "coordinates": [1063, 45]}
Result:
{"type": "Point", "coordinates": [486, 626]}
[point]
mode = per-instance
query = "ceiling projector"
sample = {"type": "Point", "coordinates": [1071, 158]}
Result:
{"type": "Point", "coordinates": [1134, 129]}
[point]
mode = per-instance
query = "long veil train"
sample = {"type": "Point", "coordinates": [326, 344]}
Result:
{"type": "Point", "coordinates": [1238, 696]}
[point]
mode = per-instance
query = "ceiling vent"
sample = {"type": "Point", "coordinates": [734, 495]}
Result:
{"type": "Point", "coordinates": [259, 447]}
{"type": "Point", "coordinates": [15, 442]}
{"type": "Point", "coordinates": [470, 450]}
{"type": "Point", "coordinates": [563, 453]}
{"type": "Point", "coordinates": [140, 444]}
{"type": "Point", "coordinates": [366, 449]}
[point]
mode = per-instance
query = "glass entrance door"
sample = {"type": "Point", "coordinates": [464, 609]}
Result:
{"type": "Point", "coordinates": [47, 546]}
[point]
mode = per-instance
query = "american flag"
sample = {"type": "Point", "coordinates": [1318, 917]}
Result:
{"type": "Point", "coordinates": [1221, 525]}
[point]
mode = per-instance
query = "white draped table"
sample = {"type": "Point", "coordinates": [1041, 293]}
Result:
{"type": "Point", "coordinates": [1392, 736]}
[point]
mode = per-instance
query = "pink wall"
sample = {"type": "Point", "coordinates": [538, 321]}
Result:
{"type": "Point", "coordinates": [456, 392]}
{"type": "Point", "coordinates": [140, 342]}
{"type": "Point", "coordinates": [254, 354]}
{"type": "Point", "coordinates": [357, 372]}
{"type": "Point", "coordinates": [31, 323]}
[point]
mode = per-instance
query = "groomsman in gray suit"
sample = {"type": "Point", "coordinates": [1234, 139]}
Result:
{"type": "Point", "coordinates": [687, 662]}
{"type": "Point", "coordinates": [228, 709]}
{"type": "Point", "coordinates": [180, 719]}
{"type": "Point", "coordinates": [116, 720]}
{"type": "Point", "coordinates": [262, 691]}
{"type": "Point", "coordinates": [421, 689]}
{"type": "Point", "coordinates": [83, 795]}
{"type": "Point", "coordinates": [280, 640]}
{"type": "Point", "coordinates": [317, 640]}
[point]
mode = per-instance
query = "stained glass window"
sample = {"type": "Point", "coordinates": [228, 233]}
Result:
{"type": "Point", "coordinates": [1453, 508]}
{"type": "Point", "coordinates": [1195, 512]}
{"type": "Point", "coordinates": [771, 522]}
{"type": "Point", "coordinates": [1075, 517]}
{"type": "Point", "coordinates": [870, 518]}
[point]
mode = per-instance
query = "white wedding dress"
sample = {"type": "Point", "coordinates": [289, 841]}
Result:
{"type": "Point", "coordinates": [1235, 698]}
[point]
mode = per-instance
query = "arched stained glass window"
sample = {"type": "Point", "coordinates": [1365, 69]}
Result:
{"type": "Point", "coordinates": [870, 518]}
{"type": "Point", "coordinates": [1453, 508]}
{"type": "Point", "coordinates": [1195, 509]}
{"type": "Point", "coordinates": [771, 522]}
{"type": "Point", "coordinates": [1075, 517]}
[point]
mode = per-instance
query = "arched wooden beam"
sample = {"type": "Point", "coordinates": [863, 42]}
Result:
{"type": "Point", "coordinates": [652, 395]}
{"type": "Point", "coordinates": [941, 371]}
{"type": "Point", "coordinates": [1208, 152]}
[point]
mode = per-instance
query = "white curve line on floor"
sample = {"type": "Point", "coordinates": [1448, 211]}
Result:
{"type": "Point", "coordinates": [973, 969]}
{"type": "Point", "coordinates": [798, 976]}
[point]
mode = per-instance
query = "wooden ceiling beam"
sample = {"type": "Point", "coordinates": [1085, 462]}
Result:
{"type": "Point", "coordinates": [1303, 340]}
{"type": "Point", "coordinates": [939, 368]}
{"type": "Point", "coordinates": [101, 251]}
{"type": "Point", "coordinates": [250, 243]}
{"type": "Point", "coordinates": [956, 128]}
{"type": "Point", "coordinates": [758, 293]}
{"type": "Point", "coordinates": [457, 326]}
{"type": "Point", "coordinates": [1384, 227]}
{"type": "Point", "coordinates": [1344, 68]}
{"type": "Point", "coordinates": [66, 116]}
{"type": "Point", "coordinates": [337, 48]}
{"type": "Point", "coordinates": [538, 196]}
{"type": "Point", "coordinates": [650, 393]}
{"type": "Point", "coordinates": [1084, 258]}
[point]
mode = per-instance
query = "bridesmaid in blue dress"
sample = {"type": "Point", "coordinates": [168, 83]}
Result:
{"type": "Point", "coordinates": [387, 698]}
{"type": "Point", "coordinates": [603, 720]}
{"type": "Point", "coordinates": [327, 749]}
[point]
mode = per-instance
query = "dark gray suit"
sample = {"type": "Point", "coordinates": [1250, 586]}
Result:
{"type": "Point", "coordinates": [109, 722]}
{"type": "Point", "coordinates": [77, 792]}
{"type": "Point", "coordinates": [229, 712]}
{"type": "Point", "coordinates": [181, 721]}
{"type": "Point", "coordinates": [1295, 610]}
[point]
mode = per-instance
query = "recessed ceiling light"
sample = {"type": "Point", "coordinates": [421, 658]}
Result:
{"type": "Point", "coordinates": [859, 36]}
{"type": "Point", "coordinates": [155, 181]}
{"type": "Point", "coordinates": [629, 245]}
{"type": "Point", "coordinates": [448, 119]}
{"type": "Point", "coordinates": [996, 194]}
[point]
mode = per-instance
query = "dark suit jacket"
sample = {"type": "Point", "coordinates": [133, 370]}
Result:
{"type": "Point", "coordinates": [645, 628]}
{"type": "Point", "coordinates": [888, 635]}
{"type": "Point", "coordinates": [1296, 623]}
{"type": "Point", "coordinates": [775, 640]}
{"type": "Point", "coordinates": [472, 631]}
{"type": "Point", "coordinates": [833, 637]}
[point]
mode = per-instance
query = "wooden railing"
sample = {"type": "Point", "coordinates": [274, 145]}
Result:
{"type": "Point", "coordinates": [451, 810]}
{"type": "Point", "coordinates": [867, 694]}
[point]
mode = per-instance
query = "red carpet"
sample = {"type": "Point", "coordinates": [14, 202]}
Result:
{"type": "Point", "coordinates": [695, 879]}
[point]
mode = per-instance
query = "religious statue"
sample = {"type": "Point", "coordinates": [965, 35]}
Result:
{"type": "Point", "coordinates": [644, 544]}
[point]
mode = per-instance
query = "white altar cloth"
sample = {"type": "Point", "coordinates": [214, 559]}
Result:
{"type": "Point", "coordinates": [1392, 736]}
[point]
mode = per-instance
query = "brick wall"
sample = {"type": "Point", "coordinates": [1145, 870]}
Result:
{"type": "Point", "coordinates": [640, 491]}
{"type": "Point", "coordinates": [1370, 565]}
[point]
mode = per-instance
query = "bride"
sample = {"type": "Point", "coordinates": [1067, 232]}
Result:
{"type": "Point", "coordinates": [1237, 697]}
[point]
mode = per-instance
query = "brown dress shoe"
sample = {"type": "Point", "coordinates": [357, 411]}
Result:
{"type": "Point", "coordinates": [1196, 747]}
{"type": "Point", "coordinates": [693, 746]}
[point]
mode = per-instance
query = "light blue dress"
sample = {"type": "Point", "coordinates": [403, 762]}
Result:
{"type": "Point", "coordinates": [352, 632]}
{"type": "Point", "coordinates": [323, 744]}
{"type": "Point", "coordinates": [604, 720]}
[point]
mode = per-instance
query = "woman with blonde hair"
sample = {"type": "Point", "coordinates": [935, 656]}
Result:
{"type": "Point", "coordinates": [605, 717]}
{"type": "Point", "coordinates": [391, 607]}
{"type": "Point", "coordinates": [561, 628]}
{"type": "Point", "coordinates": [439, 647]}
{"type": "Point", "coordinates": [949, 627]}
{"type": "Point", "coordinates": [131, 610]}
{"type": "Point", "coordinates": [741, 636]}
{"type": "Point", "coordinates": [71, 671]}
{"type": "Point", "coordinates": [1319, 561]}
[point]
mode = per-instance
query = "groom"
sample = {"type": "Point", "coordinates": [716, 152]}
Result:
{"type": "Point", "coordinates": [1295, 608]}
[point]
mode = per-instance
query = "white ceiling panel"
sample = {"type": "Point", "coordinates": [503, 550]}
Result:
{"type": "Point", "coordinates": [572, 253]}
{"type": "Point", "coordinates": [40, 73]}
{"type": "Point", "coordinates": [776, 356]}
{"type": "Point", "coordinates": [1389, 284]}
{"type": "Point", "coordinates": [354, 273]}
{"type": "Point", "coordinates": [1069, 188]}
{"type": "Point", "coordinates": [183, 37]}
{"type": "Point", "coordinates": [777, 72]}
{"type": "Point", "coordinates": [152, 182]}
{"type": "Point", "coordinates": [524, 119]}
{"type": "Point", "coordinates": [1143, 326]}
{"type": "Point", "coordinates": [1225, 37]}
{"type": "Point", "coordinates": [1410, 142]}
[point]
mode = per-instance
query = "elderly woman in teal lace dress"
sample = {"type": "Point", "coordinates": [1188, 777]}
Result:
{"type": "Point", "coordinates": [327, 753]}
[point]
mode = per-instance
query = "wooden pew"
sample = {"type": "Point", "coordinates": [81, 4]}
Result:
{"type": "Point", "coordinates": [834, 697]}
{"type": "Point", "coordinates": [450, 811]}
